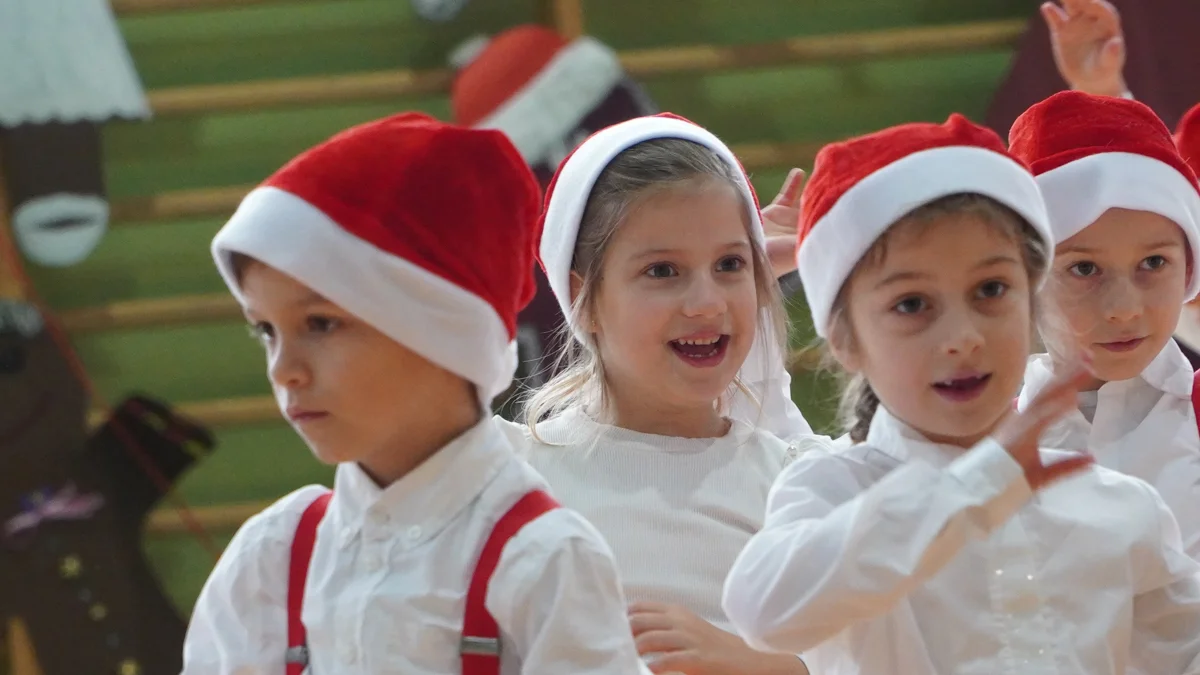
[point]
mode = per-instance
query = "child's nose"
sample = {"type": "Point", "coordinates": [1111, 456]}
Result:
{"type": "Point", "coordinates": [704, 297]}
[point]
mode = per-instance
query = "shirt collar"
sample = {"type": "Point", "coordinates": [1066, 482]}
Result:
{"type": "Point", "coordinates": [424, 501]}
{"type": "Point", "coordinates": [1169, 372]}
{"type": "Point", "coordinates": [891, 436]}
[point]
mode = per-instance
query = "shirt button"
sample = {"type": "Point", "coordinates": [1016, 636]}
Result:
{"type": "Point", "coordinates": [414, 533]}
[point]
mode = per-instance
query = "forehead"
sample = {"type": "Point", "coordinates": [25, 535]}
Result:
{"type": "Point", "coordinates": [263, 285]}
{"type": "Point", "coordinates": [1123, 231]}
{"type": "Point", "coordinates": [941, 243]}
{"type": "Point", "coordinates": [697, 213]}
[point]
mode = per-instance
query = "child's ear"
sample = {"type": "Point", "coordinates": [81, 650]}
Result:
{"type": "Point", "coordinates": [584, 319]}
{"type": "Point", "coordinates": [841, 345]}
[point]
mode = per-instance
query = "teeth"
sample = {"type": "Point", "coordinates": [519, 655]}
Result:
{"type": "Point", "coordinates": [710, 341]}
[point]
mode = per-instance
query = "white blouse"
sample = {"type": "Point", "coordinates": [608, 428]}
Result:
{"type": "Point", "coordinates": [389, 574]}
{"type": "Point", "coordinates": [1144, 427]}
{"type": "Point", "coordinates": [901, 556]}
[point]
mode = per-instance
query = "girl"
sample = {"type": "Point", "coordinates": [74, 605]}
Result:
{"type": "Point", "coordinates": [654, 246]}
{"type": "Point", "coordinates": [944, 540]}
{"type": "Point", "coordinates": [386, 337]}
{"type": "Point", "coordinates": [1125, 212]}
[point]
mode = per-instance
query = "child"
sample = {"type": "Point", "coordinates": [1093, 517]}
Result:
{"type": "Point", "coordinates": [944, 540]}
{"type": "Point", "coordinates": [1125, 212]}
{"type": "Point", "coordinates": [653, 244]}
{"type": "Point", "coordinates": [388, 321]}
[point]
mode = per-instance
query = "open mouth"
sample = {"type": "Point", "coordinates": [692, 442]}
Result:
{"type": "Point", "coordinates": [702, 352]}
{"type": "Point", "coordinates": [1123, 345]}
{"type": "Point", "coordinates": [962, 388]}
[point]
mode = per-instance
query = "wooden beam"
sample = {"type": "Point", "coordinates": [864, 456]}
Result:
{"type": "Point", "coordinates": [134, 7]}
{"type": "Point", "coordinates": [220, 518]}
{"type": "Point", "coordinates": [566, 16]}
{"type": "Point", "coordinates": [221, 412]}
{"type": "Point", "coordinates": [640, 64]}
{"type": "Point", "coordinates": [156, 313]}
{"type": "Point", "coordinates": [222, 201]}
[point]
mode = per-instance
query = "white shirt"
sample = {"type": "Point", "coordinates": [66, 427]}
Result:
{"type": "Point", "coordinates": [902, 556]}
{"type": "Point", "coordinates": [676, 511]}
{"type": "Point", "coordinates": [1144, 427]}
{"type": "Point", "coordinates": [389, 574]}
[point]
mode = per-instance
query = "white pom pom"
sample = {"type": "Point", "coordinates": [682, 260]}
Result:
{"type": "Point", "coordinates": [468, 51]}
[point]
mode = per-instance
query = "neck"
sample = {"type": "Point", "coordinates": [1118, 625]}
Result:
{"type": "Point", "coordinates": [636, 414]}
{"type": "Point", "coordinates": [418, 443]}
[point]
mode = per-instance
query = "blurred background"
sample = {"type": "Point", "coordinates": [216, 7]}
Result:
{"type": "Point", "coordinates": [234, 88]}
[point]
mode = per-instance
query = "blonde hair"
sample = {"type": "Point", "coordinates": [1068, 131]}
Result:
{"type": "Point", "coordinates": [638, 173]}
{"type": "Point", "coordinates": [858, 402]}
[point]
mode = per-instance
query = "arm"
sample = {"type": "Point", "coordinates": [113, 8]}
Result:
{"type": "Point", "coordinates": [1166, 610]}
{"type": "Point", "coordinates": [556, 594]}
{"type": "Point", "coordinates": [239, 623]}
{"type": "Point", "coordinates": [835, 550]}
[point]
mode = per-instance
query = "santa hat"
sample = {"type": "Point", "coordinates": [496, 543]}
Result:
{"type": "Point", "coordinates": [1187, 138]}
{"type": "Point", "coordinates": [568, 192]}
{"type": "Point", "coordinates": [1094, 153]}
{"type": "Point", "coordinates": [763, 373]}
{"type": "Point", "coordinates": [532, 84]}
{"type": "Point", "coordinates": [859, 188]}
{"type": "Point", "coordinates": [422, 229]}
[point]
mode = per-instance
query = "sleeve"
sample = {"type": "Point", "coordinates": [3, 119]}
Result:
{"type": "Point", "coordinates": [1166, 609]}
{"type": "Point", "coordinates": [832, 553]}
{"type": "Point", "coordinates": [557, 596]}
{"type": "Point", "coordinates": [239, 623]}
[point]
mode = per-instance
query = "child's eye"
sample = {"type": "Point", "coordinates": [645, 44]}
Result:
{"type": "Point", "coordinates": [1154, 262]}
{"type": "Point", "coordinates": [1084, 269]}
{"type": "Point", "coordinates": [733, 263]}
{"type": "Point", "coordinates": [261, 331]}
{"type": "Point", "coordinates": [661, 271]}
{"type": "Point", "coordinates": [322, 324]}
{"type": "Point", "coordinates": [990, 290]}
{"type": "Point", "coordinates": [910, 305]}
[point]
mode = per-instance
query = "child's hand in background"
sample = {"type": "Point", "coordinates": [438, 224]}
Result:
{"type": "Point", "coordinates": [1089, 47]}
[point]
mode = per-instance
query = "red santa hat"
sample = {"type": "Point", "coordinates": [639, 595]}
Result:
{"type": "Point", "coordinates": [859, 188]}
{"type": "Point", "coordinates": [1187, 138]}
{"type": "Point", "coordinates": [422, 229]}
{"type": "Point", "coordinates": [1095, 153]}
{"type": "Point", "coordinates": [533, 85]}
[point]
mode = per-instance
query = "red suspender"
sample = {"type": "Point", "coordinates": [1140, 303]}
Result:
{"type": "Point", "coordinates": [1196, 396]}
{"type": "Point", "coordinates": [480, 646]}
{"type": "Point", "coordinates": [302, 548]}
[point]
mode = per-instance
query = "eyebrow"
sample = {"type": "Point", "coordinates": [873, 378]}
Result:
{"type": "Point", "coordinates": [912, 276]}
{"type": "Point", "coordinates": [1165, 243]}
{"type": "Point", "coordinates": [308, 300]}
{"type": "Point", "coordinates": [740, 244]}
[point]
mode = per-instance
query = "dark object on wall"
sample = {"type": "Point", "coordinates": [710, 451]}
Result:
{"type": "Point", "coordinates": [72, 510]}
{"type": "Point", "coordinates": [1162, 44]}
{"type": "Point", "coordinates": [64, 72]}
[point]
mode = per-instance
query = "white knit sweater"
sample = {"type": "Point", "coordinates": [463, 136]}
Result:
{"type": "Point", "coordinates": [676, 511]}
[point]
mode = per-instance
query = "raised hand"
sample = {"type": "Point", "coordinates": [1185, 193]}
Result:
{"type": "Point", "coordinates": [1021, 432]}
{"type": "Point", "coordinates": [1089, 47]}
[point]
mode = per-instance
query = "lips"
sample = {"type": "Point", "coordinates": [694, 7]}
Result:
{"type": "Point", "coordinates": [702, 352]}
{"type": "Point", "coordinates": [963, 388]}
{"type": "Point", "coordinates": [1122, 345]}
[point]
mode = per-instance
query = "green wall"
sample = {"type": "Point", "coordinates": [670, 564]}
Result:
{"type": "Point", "coordinates": [321, 37]}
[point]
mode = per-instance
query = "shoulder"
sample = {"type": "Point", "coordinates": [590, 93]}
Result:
{"type": "Point", "coordinates": [559, 540]}
{"type": "Point", "coordinates": [264, 540]}
{"type": "Point", "coordinates": [1100, 490]}
{"type": "Point", "coordinates": [832, 468]}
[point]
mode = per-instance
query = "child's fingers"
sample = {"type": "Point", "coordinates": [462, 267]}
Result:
{"type": "Point", "coordinates": [789, 192]}
{"type": "Point", "coordinates": [1054, 15]}
{"type": "Point", "coordinates": [1104, 14]}
{"type": "Point", "coordinates": [660, 641]}
{"type": "Point", "coordinates": [1074, 8]}
{"type": "Point", "coordinates": [1063, 468]}
{"type": "Point", "coordinates": [645, 622]}
{"type": "Point", "coordinates": [647, 607]}
{"type": "Point", "coordinates": [675, 663]}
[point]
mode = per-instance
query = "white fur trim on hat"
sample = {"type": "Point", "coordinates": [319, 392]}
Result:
{"type": "Point", "coordinates": [547, 108]}
{"type": "Point", "coordinates": [843, 236]}
{"type": "Point", "coordinates": [435, 318]}
{"type": "Point", "coordinates": [1079, 192]}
